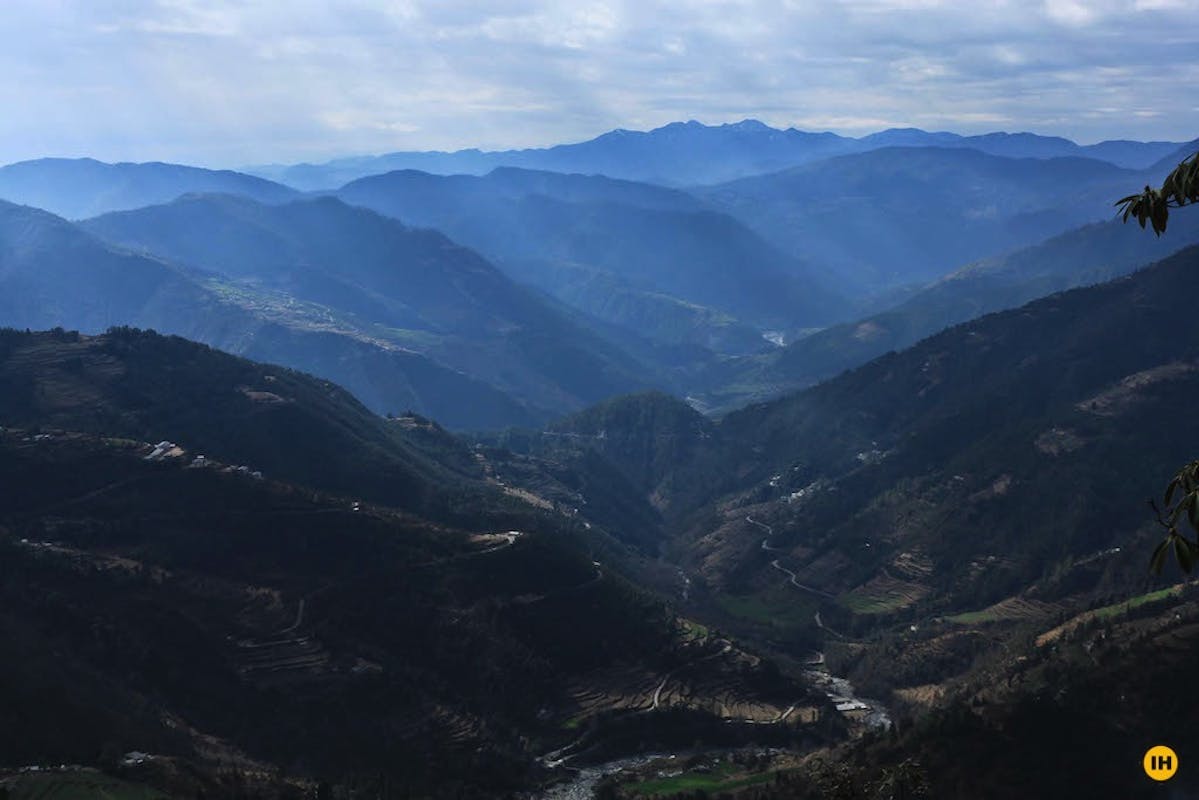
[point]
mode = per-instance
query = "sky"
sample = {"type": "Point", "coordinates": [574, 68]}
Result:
{"type": "Point", "coordinates": [227, 84]}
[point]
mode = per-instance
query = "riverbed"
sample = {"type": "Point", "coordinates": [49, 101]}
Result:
{"type": "Point", "coordinates": [582, 786]}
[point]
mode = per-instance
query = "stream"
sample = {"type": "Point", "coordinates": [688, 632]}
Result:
{"type": "Point", "coordinates": [841, 693]}
{"type": "Point", "coordinates": [582, 786]}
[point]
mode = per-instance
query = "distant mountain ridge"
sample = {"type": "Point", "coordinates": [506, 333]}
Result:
{"type": "Point", "coordinates": [691, 153]}
{"type": "Point", "coordinates": [558, 232]}
{"type": "Point", "coordinates": [53, 273]}
{"type": "Point", "coordinates": [650, 285]}
{"type": "Point", "coordinates": [83, 187]}
{"type": "Point", "coordinates": [898, 216]}
{"type": "Point", "coordinates": [411, 289]}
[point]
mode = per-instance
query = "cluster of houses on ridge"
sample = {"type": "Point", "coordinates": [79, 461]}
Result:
{"type": "Point", "coordinates": [164, 450]}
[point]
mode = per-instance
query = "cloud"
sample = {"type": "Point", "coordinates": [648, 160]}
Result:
{"type": "Point", "coordinates": [229, 83]}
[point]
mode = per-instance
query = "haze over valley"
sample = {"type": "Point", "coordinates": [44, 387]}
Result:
{"type": "Point", "coordinates": [444, 450]}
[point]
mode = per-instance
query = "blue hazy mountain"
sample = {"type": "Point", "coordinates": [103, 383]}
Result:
{"type": "Point", "coordinates": [53, 273]}
{"type": "Point", "coordinates": [1081, 257]}
{"type": "Point", "coordinates": [409, 289]}
{"type": "Point", "coordinates": [904, 215]}
{"type": "Point", "coordinates": [1121, 152]}
{"type": "Point", "coordinates": [1169, 161]}
{"type": "Point", "coordinates": [690, 153]}
{"type": "Point", "coordinates": [83, 187]}
{"type": "Point", "coordinates": [678, 153]}
{"type": "Point", "coordinates": [616, 250]}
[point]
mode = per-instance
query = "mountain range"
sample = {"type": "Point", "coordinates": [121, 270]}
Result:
{"type": "Point", "coordinates": [83, 187]}
{"type": "Point", "coordinates": [382, 281]}
{"type": "Point", "coordinates": [899, 216]}
{"type": "Point", "coordinates": [691, 153]}
{"type": "Point", "coordinates": [649, 285]}
{"type": "Point", "coordinates": [932, 507]}
{"type": "Point", "coordinates": [623, 252]}
{"type": "Point", "coordinates": [56, 273]}
{"type": "Point", "coordinates": [671, 540]}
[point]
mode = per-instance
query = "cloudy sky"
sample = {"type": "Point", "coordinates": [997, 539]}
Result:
{"type": "Point", "coordinates": [232, 83]}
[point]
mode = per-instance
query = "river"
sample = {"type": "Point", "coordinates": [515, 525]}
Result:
{"type": "Point", "coordinates": [840, 692]}
{"type": "Point", "coordinates": [582, 786]}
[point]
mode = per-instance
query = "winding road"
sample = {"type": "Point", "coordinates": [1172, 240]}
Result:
{"type": "Point", "coordinates": [820, 624]}
{"type": "Point", "coordinates": [838, 690]}
{"type": "Point", "coordinates": [792, 577]}
{"type": "Point", "coordinates": [794, 581]}
{"type": "Point", "coordinates": [769, 532]}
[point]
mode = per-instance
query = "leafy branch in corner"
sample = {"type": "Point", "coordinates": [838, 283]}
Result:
{"type": "Point", "coordinates": [1186, 549]}
{"type": "Point", "coordinates": [1180, 188]}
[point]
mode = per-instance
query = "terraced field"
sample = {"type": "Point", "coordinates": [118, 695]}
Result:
{"type": "Point", "coordinates": [913, 565]}
{"type": "Point", "coordinates": [1013, 609]}
{"type": "Point", "coordinates": [281, 658]}
{"type": "Point", "coordinates": [884, 594]}
{"type": "Point", "coordinates": [711, 678]}
{"type": "Point", "coordinates": [926, 695]}
{"type": "Point", "coordinates": [1108, 612]}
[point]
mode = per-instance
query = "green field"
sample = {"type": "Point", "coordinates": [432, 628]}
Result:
{"type": "Point", "coordinates": [692, 630]}
{"type": "Point", "coordinates": [974, 617]}
{"type": "Point", "coordinates": [77, 786]}
{"type": "Point", "coordinates": [750, 608]}
{"type": "Point", "coordinates": [767, 608]}
{"type": "Point", "coordinates": [574, 722]}
{"type": "Point", "coordinates": [723, 778]}
{"type": "Point", "coordinates": [1014, 609]}
{"type": "Point", "coordinates": [1115, 609]}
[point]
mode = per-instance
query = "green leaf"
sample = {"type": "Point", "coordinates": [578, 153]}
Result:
{"type": "Point", "coordinates": [1183, 504]}
{"type": "Point", "coordinates": [1159, 557]}
{"type": "Point", "coordinates": [1184, 553]}
{"type": "Point", "coordinates": [1170, 492]}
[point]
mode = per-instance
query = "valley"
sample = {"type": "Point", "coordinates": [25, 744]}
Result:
{"type": "Point", "coordinates": [929, 604]}
{"type": "Point", "coordinates": [277, 605]}
{"type": "Point", "coordinates": [549, 479]}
